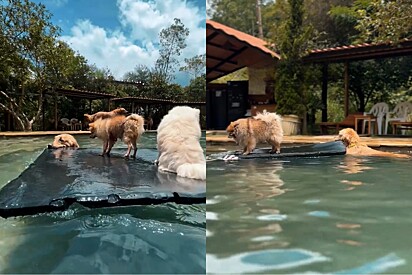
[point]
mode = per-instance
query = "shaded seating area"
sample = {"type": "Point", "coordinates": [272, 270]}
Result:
{"type": "Point", "coordinates": [399, 117]}
{"type": "Point", "coordinates": [347, 122]}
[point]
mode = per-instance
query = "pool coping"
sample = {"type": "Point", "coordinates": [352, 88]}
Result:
{"type": "Point", "coordinates": [220, 137]}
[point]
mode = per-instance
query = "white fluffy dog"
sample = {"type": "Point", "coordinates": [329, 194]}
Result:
{"type": "Point", "coordinates": [178, 144]}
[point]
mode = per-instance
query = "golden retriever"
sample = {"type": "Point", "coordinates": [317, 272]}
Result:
{"type": "Point", "coordinates": [103, 115]}
{"type": "Point", "coordinates": [354, 146]}
{"type": "Point", "coordinates": [264, 127]}
{"type": "Point", "coordinates": [110, 129]}
{"type": "Point", "coordinates": [64, 140]}
{"type": "Point", "coordinates": [178, 143]}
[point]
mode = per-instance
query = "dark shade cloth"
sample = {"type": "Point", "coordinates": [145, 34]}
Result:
{"type": "Point", "coordinates": [61, 177]}
{"type": "Point", "coordinates": [312, 150]}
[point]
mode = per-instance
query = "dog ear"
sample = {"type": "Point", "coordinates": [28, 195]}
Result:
{"type": "Point", "coordinates": [88, 117]}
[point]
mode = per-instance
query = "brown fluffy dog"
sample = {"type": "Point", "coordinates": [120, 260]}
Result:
{"type": "Point", "coordinates": [265, 127]}
{"type": "Point", "coordinates": [354, 146]}
{"type": "Point", "coordinates": [103, 115]}
{"type": "Point", "coordinates": [64, 140]}
{"type": "Point", "coordinates": [110, 129]}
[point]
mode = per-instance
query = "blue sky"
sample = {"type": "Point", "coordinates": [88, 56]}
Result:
{"type": "Point", "coordinates": [121, 34]}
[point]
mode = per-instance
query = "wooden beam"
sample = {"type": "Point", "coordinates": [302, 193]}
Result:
{"type": "Point", "coordinates": [325, 92]}
{"type": "Point", "coordinates": [346, 89]}
{"type": "Point", "coordinates": [220, 59]}
{"type": "Point", "coordinates": [227, 59]}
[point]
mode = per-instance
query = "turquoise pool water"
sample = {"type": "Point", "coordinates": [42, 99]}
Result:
{"type": "Point", "coordinates": [166, 238]}
{"type": "Point", "coordinates": [339, 214]}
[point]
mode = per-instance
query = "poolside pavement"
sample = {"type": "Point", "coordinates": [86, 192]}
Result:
{"type": "Point", "coordinates": [217, 137]}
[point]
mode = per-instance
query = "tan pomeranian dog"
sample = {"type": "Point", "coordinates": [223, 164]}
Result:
{"type": "Point", "coordinates": [103, 115]}
{"type": "Point", "coordinates": [118, 127]}
{"type": "Point", "coordinates": [64, 141]}
{"type": "Point", "coordinates": [354, 146]}
{"type": "Point", "coordinates": [264, 127]}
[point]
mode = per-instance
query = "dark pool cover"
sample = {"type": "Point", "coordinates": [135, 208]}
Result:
{"type": "Point", "coordinates": [313, 150]}
{"type": "Point", "coordinates": [59, 178]}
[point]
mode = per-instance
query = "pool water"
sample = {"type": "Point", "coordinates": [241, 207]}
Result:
{"type": "Point", "coordinates": [339, 214]}
{"type": "Point", "coordinates": [167, 238]}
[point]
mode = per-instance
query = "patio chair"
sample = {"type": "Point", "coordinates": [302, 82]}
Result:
{"type": "Point", "coordinates": [379, 111]}
{"type": "Point", "coordinates": [65, 123]}
{"type": "Point", "coordinates": [75, 124]}
{"type": "Point", "coordinates": [347, 122]}
{"type": "Point", "coordinates": [400, 113]}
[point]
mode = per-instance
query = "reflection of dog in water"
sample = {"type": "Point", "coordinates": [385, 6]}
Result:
{"type": "Point", "coordinates": [354, 146]}
{"type": "Point", "coordinates": [178, 144]}
{"type": "Point", "coordinates": [63, 141]}
{"type": "Point", "coordinates": [264, 127]}
{"type": "Point", "coordinates": [118, 127]}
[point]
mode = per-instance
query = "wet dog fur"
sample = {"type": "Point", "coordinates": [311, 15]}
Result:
{"type": "Point", "coordinates": [64, 141]}
{"type": "Point", "coordinates": [264, 127]}
{"type": "Point", "coordinates": [355, 147]}
{"type": "Point", "coordinates": [118, 127]}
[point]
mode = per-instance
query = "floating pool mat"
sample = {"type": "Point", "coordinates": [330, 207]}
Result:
{"type": "Point", "coordinates": [59, 178]}
{"type": "Point", "coordinates": [313, 150]}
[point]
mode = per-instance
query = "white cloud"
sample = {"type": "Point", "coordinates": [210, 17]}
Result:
{"type": "Point", "coordinates": [109, 50]}
{"type": "Point", "coordinates": [135, 43]}
{"type": "Point", "coordinates": [56, 3]}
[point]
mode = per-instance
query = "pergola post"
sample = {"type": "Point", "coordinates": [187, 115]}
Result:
{"type": "Point", "coordinates": [55, 113]}
{"type": "Point", "coordinates": [346, 88]}
{"type": "Point", "coordinates": [42, 109]}
{"type": "Point", "coordinates": [108, 104]}
{"type": "Point", "coordinates": [324, 92]}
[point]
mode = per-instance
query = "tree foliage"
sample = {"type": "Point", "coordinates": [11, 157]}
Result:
{"type": "Point", "coordinates": [172, 42]}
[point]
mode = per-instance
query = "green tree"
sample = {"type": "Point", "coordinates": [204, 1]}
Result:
{"type": "Point", "coordinates": [290, 74]}
{"type": "Point", "coordinates": [383, 21]}
{"type": "Point", "coordinates": [27, 38]}
{"type": "Point", "coordinates": [194, 65]}
{"type": "Point", "coordinates": [172, 42]}
{"type": "Point", "coordinates": [238, 14]}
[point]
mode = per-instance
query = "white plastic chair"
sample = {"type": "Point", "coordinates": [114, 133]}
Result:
{"type": "Point", "coordinates": [66, 123]}
{"type": "Point", "coordinates": [379, 110]}
{"type": "Point", "coordinates": [399, 113]}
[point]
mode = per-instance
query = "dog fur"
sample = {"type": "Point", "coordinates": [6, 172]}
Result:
{"type": "Point", "coordinates": [103, 115]}
{"type": "Point", "coordinates": [264, 127]}
{"type": "Point", "coordinates": [355, 147]}
{"type": "Point", "coordinates": [118, 127]}
{"type": "Point", "coordinates": [178, 144]}
{"type": "Point", "coordinates": [63, 141]}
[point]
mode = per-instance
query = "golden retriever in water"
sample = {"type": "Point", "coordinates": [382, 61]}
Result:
{"type": "Point", "coordinates": [110, 129]}
{"type": "Point", "coordinates": [178, 143]}
{"type": "Point", "coordinates": [264, 127]}
{"type": "Point", "coordinates": [103, 115]}
{"type": "Point", "coordinates": [354, 146]}
{"type": "Point", "coordinates": [64, 140]}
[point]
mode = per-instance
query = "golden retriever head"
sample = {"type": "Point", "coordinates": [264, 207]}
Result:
{"type": "Point", "coordinates": [348, 136]}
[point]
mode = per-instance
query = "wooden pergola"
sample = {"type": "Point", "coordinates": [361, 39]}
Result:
{"type": "Point", "coordinates": [347, 54]}
{"type": "Point", "coordinates": [74, 93]}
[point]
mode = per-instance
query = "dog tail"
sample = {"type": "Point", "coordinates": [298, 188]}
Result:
{"type": "Point", "coordinates": [192, 170]}
{"type": "Point", "coordinates": [140, 122]}
{"type": "Point", "coordinates": [274, 122]}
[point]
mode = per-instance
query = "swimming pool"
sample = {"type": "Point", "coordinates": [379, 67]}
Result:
{"type": "Point", "coordinates": [167, 238]}
{"type": "Point", "coordinates": [338, 214]}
